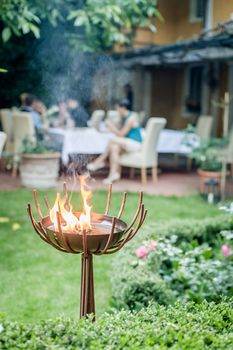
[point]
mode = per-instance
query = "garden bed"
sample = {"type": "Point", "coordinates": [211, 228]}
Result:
{"type": "Point", "coordinates": [182, 260]}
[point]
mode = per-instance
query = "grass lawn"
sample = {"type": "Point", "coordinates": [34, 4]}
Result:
{"type": "Point", "coordinates": [38, 282]}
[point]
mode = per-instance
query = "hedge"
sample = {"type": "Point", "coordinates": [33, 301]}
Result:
{"type": "Point", "coordinates": [188, 326]}
{"type": "Point", "coordinates": [204, 230]}
{"type": "Point", "coordinates": [135, 285]}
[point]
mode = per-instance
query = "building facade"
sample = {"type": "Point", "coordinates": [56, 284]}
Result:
{"type": "Point", "coordinates": [183, 69]}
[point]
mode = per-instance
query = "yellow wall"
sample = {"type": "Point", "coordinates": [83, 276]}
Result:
{"type": "Point", "coordinates": [222, 10]}
{"type": "Point", "coordinates": [176, 25]}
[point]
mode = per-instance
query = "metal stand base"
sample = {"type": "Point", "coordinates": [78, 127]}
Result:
{"type": "Point", "coordinates": [87, 300]}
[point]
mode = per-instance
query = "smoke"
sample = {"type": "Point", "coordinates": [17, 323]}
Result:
{"type": "Point", "coordinates": [66, 72]}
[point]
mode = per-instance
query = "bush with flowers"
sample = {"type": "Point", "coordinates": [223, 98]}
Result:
{"type": "Point", "coordinates": [169, 268]}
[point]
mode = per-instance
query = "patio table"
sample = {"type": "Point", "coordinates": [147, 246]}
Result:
{"type": "Point", "coordinates": [92, 141]}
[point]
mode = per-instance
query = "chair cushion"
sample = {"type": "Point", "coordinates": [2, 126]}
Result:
{"type": "Point", "coordinates": [135, 160]}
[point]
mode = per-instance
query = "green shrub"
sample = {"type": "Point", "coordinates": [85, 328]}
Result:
{"type": "Point", "coordinates": [189, 326]}
{"type": "Point", "coordinates": [186, 266]}
{"type": "Point", "coordinates": [201, 230]}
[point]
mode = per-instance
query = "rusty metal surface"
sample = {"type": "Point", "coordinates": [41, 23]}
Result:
{"type": "Point", "coordinates": [108, 235]}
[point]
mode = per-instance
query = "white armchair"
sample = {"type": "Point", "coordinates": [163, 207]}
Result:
{"type": "Point", "coordinates": [3, 137]}
{"type": "Point", "coordinates": [22, 128]}
{"type": "Point", "coordinates": [96, 118]}
{"type": "Point", "coordinates": [204, 126]}
{"type": "Point", "coordinates": [114, 116]}
{"type": "Point", "coordinates": [203, 130]}
{"type": "Point", "coordinates": [147, 157]}
{"type": "Point", "coordinates": [7, 126]}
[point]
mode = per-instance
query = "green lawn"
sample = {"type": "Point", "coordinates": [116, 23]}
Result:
{"type": "Point", "coordinates": [38, 282]}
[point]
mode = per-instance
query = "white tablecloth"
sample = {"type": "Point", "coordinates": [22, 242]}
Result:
{"type": "Point", "coordinates": [91, 141]}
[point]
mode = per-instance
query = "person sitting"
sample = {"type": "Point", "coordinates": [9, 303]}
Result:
{"type": "Point", "coordinates": [64, 119]}
{"type": "Point", "coordinates": [22, 98]}
{"type": "Point", "coordinates": [40, 108]}
{"type": "Point", "coordinates": [28, 107]}
{"type": "Point", "coordinates": [77, 113]}
{"type": "Point", "coordinates": [127, 138]}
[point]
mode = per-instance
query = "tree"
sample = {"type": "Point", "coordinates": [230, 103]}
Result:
{"type": "Point", "coordinates": [93, 25]}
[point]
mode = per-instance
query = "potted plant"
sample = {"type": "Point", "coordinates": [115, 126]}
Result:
{"type": "Point", "coordinates": [39, 165]}
{"type": "Point", "coordinates": [208, 158]}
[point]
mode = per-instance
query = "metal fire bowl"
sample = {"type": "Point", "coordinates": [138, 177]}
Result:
{"type": "Point", "coordinates": [96, 239]}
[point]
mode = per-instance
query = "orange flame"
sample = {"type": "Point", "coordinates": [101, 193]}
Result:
{"type": "Point", "coordinates": [85, 217]}
{"type": "Point", "coordinates": [68, 221]}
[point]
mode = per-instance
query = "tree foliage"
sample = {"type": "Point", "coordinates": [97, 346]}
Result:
{"type": "Point", "coordinates": [94, 25]}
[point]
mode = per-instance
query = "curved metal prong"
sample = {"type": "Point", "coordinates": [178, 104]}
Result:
{"type": "Point", "coordinates": [63, 237]}
{"type": "Point", "coordinates": [120, 244]}
{"type": "Point", "coordinates": [47, 202]}
{"type": "Point", "coordinates": [109, 238]}
{"type": "Point", "coordinates": [34, 224]}
{"type": "Point", "coordinates": [142, 218]}
{"type": "Point", "coordinates": [136, 214]}
{"type": "Point", "coordinates": [57, 246]}
{"type": "Point", "coordinates": [130, 232]}
{"type": "Point", "coordinates": [65, 190]}
{"type": "Point", "coordinates": [122, 205]}
{"type": "Point", "coordinates": [37, 204]}
{"type": "Point", "coordinates": [108, 199]}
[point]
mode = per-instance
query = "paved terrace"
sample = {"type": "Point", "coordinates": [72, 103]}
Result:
{"type": "Point", "coordinates": [170, 183]}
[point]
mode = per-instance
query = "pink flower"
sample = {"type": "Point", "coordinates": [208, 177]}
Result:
{"type": "Point", "coordinates": [152, 245]}
{"type": "Point", "coordinates": [141, 252]}
{"type": "Point", "coordinates": [226, 251]}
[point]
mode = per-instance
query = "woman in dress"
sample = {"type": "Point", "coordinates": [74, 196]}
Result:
{"type": "Point", "coordinates": [127, 139]}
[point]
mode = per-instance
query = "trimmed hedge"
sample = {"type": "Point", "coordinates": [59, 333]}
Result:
{"type": "Point", "coordinates": [203, 231]}
{"type": "Point", "coordinates": [138, 282]}
{"type": "Point", "coordinates": [188, 326]}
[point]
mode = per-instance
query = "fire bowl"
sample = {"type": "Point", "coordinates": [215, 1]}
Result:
{"type": "Point", "coordinates": [96, 238]}
{"type": "Point", "coordinates": [106, 235]}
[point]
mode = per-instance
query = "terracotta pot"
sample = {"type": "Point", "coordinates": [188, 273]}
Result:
{"type": "Point", "coordinates": [39, 170]}
{"type": "Point", "coordinates": [207, 175]}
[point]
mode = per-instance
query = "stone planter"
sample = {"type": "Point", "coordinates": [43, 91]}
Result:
{"type": "Point", "coordinates": [207, 175]}
{"type": "Point", "coordinates": [39, 170]}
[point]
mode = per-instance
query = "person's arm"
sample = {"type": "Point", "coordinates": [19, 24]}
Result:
{"type": "Point", "coordinates": [126, 128]}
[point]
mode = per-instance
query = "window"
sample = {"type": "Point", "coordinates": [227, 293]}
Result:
{"type": "Point", "coordinates": [193, 90]}
{"type": "Point", "coordinates": [197, 10]}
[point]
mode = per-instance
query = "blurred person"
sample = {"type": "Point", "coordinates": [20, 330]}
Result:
{"type": "Point", "coordinates": [40, 108]}
{"type": "Point", "coordinates": [128, 91]}
{"type": "Point", "coordinates": [22, 98]}
{"type": "Point", "coordinates": [28, 107]}
{"type": "Point", "coordinates": [77, 113]}
{"type": "Point", "coordinates": [128, 139]}
{"type": "Point", "coordinates": [64, 119]}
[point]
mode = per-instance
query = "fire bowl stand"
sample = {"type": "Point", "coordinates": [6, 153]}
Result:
{"type": "Point", "coordinates": [88, 244]}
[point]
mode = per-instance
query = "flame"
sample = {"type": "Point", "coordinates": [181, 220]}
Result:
{"type": "Point", "coordinates": [85, 217]}
{"type": "Point", "coordinates": [63, 208]}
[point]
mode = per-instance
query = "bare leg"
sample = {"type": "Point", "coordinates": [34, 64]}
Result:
{"type": "Point", "coordinates": [114, 158]}
{"type": "Point", "coordinates": [103, 157]}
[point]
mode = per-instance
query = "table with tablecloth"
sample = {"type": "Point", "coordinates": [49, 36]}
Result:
{"type": "Point", "coordinates": [92, 141]}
